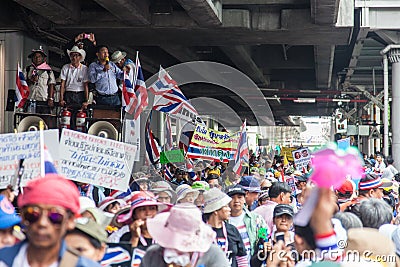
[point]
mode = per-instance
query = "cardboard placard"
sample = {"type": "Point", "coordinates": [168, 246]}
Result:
{"type": "Point", "coordinates": [96, 160]}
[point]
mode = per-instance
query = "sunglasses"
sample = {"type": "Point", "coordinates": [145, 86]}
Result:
{"type": "Point", "coordinates": [33, 214]}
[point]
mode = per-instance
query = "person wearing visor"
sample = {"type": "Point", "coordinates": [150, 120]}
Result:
{"type": "Point", "coordinates": [8, 219]}
{"type": "Point", "coordinates": [48, 207]}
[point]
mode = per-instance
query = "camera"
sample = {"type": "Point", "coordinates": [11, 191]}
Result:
{"type": "Point", "coordinates": [87, 36]}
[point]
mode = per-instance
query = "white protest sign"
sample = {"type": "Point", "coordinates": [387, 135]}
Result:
{"type": "Point", "coordinates": [132, 134]}
{"type": "Point", "coordinates": [95, 160]}
{"type": "Point", "coordinates": [301, 158]}
{"type": "Point", "coordinates": [25, 145]}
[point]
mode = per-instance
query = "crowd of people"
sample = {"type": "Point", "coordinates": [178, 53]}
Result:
{"type": "Point", "coordinates": [218, 219]}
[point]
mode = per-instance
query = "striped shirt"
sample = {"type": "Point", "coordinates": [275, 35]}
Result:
{"type": "Point", "coordinates": [238, 222]}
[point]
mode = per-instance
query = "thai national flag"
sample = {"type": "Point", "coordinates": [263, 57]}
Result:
{"type": "Point", "coordinates": [190, 170]}
{"type": "Point", "coordinates": [242, 152]}
{"type": "Point", "coordinates": [140, 89]}
{"type": "Point", "coordinates": [21, 89]}
{"type": "Point", "coordinates": [115, 255]}
{"type": "Point", "coordinates": [129, 99]}
{"type": "Point", "coordinates": [151, 144]}
{"type": "Point", "coordinates": [186, 135]}
{"type": "Point", "coordinates": [48, 162]}
{"type": "Point", "coordinates": [168, 174]}
{"type": "Point", "coordinates": [169, 98]}
{"type": "Point", "coordinates": [137, 256]}
{"type": "Point", "coordinates": [168, 143]}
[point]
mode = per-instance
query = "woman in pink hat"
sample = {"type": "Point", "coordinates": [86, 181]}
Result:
{"type": "Point", "coordinates": [182, 240]}
{"type": "Point", "coordinates": [134, 220]}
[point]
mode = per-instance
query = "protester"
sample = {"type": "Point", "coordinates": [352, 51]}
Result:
{"type": "Point", "coordinates": [48, 207]}
{"type": "Point", "coordinates": [104, 74]}
{"type": "Point", "coordinates": [164, 192]}
{"type": "Point", "coordinates": [390, 171]}
{"type": "Point", "coordinates": [41, 81]}
{"type": "Point", "coordinates": [374, 213]}
{"type": "Point", "coordinates": [283, 222]}
{"type": "Point", "coordinates": [111, 205]}
{"type": "Point", "coordinates": [8, 219]}
{"type": "Point", "coordinates": [182, 239]}
{"type": "Point", "coordinates": [91, 191]}
{"type": "Point", "coordinates": [279, 193]}
{"type": "Point", "coordinates": [85, 41]}
{"type": "Point", "coordinates": [186, 194]}
{"type": "Point", "coordinates": [214, 180]}
{"type": "Point", "coordinates": [249, 224]}
{"type": "Point", "coordinates": [201, 187]}
{"type": "Point", "coordinates": [251, 185]}
{"type": "Point", "coordinates": [8, 192]}
{"type": "Point", "coordinates": [180, 177]}
{"type": "Point", "coordinates": [119, 58]}
{"type": "Point", "coordinates": [135, 232]}
{"type": "Point", "coordinates": [89, 238]}
{"type": "Point", "coordinates": [216, 212]}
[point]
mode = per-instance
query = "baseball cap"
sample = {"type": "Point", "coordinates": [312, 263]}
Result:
{"type": "Point", "coordinates": [346, 188]}
{"type": "Point", "coordinates": [237, 189]}
{"type": "Point", "coordinates": [250, 183]}
{"type": "Point", "coordinates": [281, 209]}
{"type": "Point", "coordinates": [91, 228]}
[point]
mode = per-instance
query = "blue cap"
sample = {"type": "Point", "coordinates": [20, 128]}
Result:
{"type": "Point", "coordinates": [8, 217]}
{"type": "Point", "coordinates": [250, 183]}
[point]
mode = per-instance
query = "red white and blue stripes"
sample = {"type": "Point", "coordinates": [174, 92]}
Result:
{"type": "Point", "coordinates": [242, 152]}
{"type": "Point", "coordinates": [22, 89]}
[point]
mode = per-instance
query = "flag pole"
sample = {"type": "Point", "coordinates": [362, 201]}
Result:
{"type": "Point", "coordinates": [41, 145]}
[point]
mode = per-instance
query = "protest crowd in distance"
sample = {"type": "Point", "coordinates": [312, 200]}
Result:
{"type": "Point", "coordinates": [71, 197]}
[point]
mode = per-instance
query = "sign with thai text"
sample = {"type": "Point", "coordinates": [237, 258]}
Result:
{"type": "Point", "coordinates": [95, 160]}
{"type": "Point", "coordinates": [210, 144]}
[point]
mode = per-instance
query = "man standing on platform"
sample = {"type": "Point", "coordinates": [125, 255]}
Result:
{"type": "Point", "coordinates": [104, 74]}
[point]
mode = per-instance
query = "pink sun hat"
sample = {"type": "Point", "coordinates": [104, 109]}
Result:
{"type": "Point", "coordinates": [182, 229]}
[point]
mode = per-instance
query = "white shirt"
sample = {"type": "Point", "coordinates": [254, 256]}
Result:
{"type": "Point", "coordinates": [21, 260]}
{"type": "Point", "coordinates": [74, 77]}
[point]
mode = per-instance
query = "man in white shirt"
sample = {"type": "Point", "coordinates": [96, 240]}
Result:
{"type": "Point", "coordinates": [74, 90]}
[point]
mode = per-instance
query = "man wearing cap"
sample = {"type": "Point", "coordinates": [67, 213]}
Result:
{"type": "Point", "coordinates": [283, 221]}
{"type": "Point", "coordinates": [74, 90]}
{"type": "Point", "coordinates": [344, 194]}
{"type": "Point", "coordinates": [48, 207]}
{"type": "Point", "coordinates": [104, 74]}
{"type": "Point", "coordinates": [41, 81]}
{"type": "Point", "coordinates": [251, 185]}
{"type": "Point", "coordinates": [247, 223]}
{"type": "Point", "coordinates": [279, 193]}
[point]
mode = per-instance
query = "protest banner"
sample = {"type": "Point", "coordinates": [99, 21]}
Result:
{"type": "Point", "coordinates": [95, 160]}
{"type": "Point", "coordinates": [212, 145]}
{"type": "Point", "coordinates": [301, 157]}
{"type": "Point", "coordinates": [288, 152]}
{"type": "Point", "coordinates": [172, 156]}
{"type": "Point", "coordinates": [25, 145]}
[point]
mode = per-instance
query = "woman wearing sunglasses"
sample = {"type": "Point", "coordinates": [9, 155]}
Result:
{"type": "Point", "coordinates": [48, 207]}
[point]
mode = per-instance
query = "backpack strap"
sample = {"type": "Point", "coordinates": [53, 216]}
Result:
{"type": "Point", "coordinates": [70, 258]}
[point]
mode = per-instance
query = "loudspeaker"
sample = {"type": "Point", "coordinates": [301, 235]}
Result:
{"type": "Point", "coordinates": [103, 129]}
{"type": "Point", "coordinates": [10, 100]}
{"type": "Point", "coordinates": [30, 123]}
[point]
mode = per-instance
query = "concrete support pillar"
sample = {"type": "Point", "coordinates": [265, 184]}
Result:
{"type": "Point", "coordinates": [394, 57]}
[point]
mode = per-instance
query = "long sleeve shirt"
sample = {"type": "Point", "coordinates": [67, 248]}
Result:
{"type": "Point", "coordinates": [105, 81]}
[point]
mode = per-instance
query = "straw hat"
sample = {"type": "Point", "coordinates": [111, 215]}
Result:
{"type": "Point", "coordinates": [117, 56]}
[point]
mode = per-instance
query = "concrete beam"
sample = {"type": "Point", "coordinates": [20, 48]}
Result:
{"type": "Point", "coordinates": [324, 12]}
{"type": "Point", "coordinates": [147, 63]}
{"type": "Point", "coordinates": [66, 13]}
{"type": "Point", "coordinates": [266, 2]}
{"type": "Point", "coordinates": [243, 61]}
{"type": "Point", "coordinates": [236, 18]}
{"type": "Point", "coordinates": [324, 56]}
{"type": "Point", "coordinates": [131, 12]}
{"type": "Point", "coordinates": [206, 13]}
{"type": "Point", "coordinates": [182, 53]}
